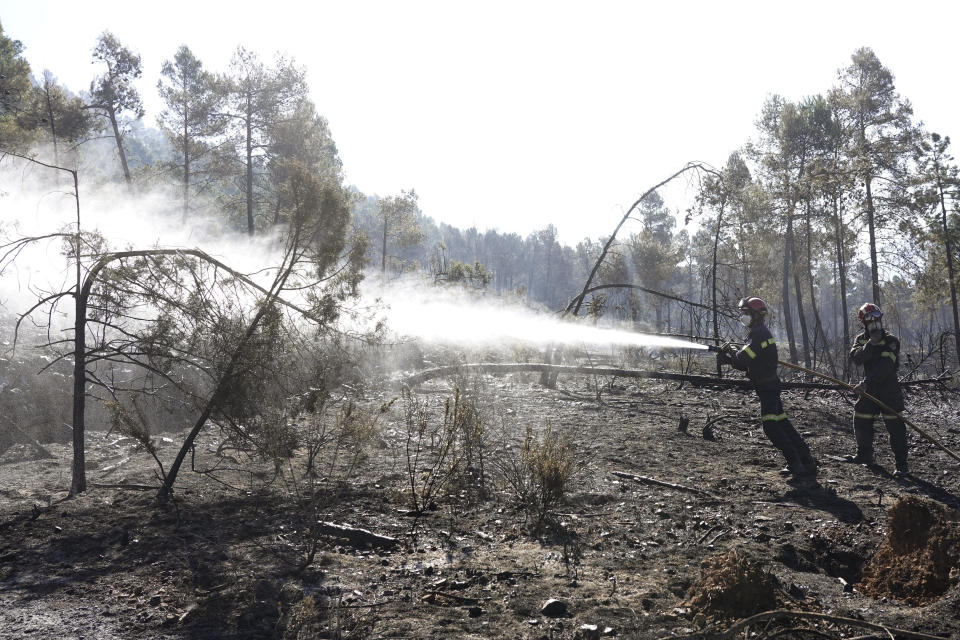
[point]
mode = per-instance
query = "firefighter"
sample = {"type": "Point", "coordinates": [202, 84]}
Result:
{"type": "Point", "coordinates": [878, 352]}
{"type": "Point", "coordinates": [758, 358]}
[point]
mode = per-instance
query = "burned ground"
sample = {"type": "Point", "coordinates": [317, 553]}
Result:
{"type": "Point", "coordinates": [619, 553]}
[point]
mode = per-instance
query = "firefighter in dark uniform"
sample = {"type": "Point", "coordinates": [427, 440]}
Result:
{"type": "Point", "coordinates": [758, 358]}
{"type": "Point", "coordinates": [878, 352]}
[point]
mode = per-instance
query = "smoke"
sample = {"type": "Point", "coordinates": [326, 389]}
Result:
{"type": "Point", "coordinates": [34, 204]}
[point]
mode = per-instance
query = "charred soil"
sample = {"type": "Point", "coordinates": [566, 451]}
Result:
{"type": "Point", "coordinates": [697, 530]}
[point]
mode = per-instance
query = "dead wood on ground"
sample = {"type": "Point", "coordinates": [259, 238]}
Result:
{"type": "Point", "coordinates": [355, 535]}
{"type": "Point", "coordinates": [660, 483]}
{"type": "Point", "coordinates": [503, 368]}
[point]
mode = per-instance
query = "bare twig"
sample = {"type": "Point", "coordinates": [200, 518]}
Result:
{"type": "Point", "coordinates": [660, 483]}
{"type": "Point", "coordinates": [809, 615]}
{"type": "Point", "coordinates": [356, 535]}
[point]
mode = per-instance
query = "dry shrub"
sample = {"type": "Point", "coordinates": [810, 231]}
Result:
{"type": "Point", "coordinates": [326, 618]}
{"type": "Point", "coordinates": [733, 586]}
{"type": "Point", "coordinates": [433, 451]}
{"type": "Point", "coordinates": [539, 475]}
{"type": "Point", "coordinates": [337, 436]}
{"type": "Point", "coordinates": [920, 558]}
{"type": "Point", "coordinates": [551, 464]}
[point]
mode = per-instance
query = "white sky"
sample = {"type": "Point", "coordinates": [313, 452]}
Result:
{"type": "Point", "coordinates": [514, 115]}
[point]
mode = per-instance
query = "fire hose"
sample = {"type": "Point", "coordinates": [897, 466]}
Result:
{"type": "Point", "coordinates": [883, 407]}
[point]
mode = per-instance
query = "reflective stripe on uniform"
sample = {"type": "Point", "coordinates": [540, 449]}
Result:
{"type": "Point", "coordinates": [763, 345]}
{"type": "Point", "coordinates": [869, 416]}
{"type": "Point", "coordinates": [889, 354]}
{"type": "Point", "coordinates": [773, 417]}
{"type": "Point", "coordinates": [890, 416]}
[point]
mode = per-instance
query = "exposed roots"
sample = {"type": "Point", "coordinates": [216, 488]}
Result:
{"type": "Point", "coordinates": [920, 558]}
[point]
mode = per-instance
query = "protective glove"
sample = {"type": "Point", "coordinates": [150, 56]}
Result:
{"type": "Point", "coordinates": [860, 388]}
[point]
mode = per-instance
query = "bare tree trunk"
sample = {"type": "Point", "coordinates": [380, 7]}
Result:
{"type": "Point", "coordinates": [119, 139]}
{"type": "Point", "coordinates": [53, 127]}
{"type": "Point", "coordinates": [818, 331]}
{"type": "Point", "coordinates": [713, 281]}
{"type": "Point", "coordinates": [842, 278]}
{"type": "Point", "coordinates": [949, 250]}
{"type": "Point", "coordinates": [874, 269]}
{"type": "Point", "coordinates": [802, 318]}
{"type": "Point", "coordinates": [78, 482]}
{"type": "Point", "coordinates": [249, 185]}
{"type": "Point", "coordinates": [383, 245]}
{"type": "Point", "coordinates": [576, 303]}
{"type": "Point", "coordinates": [186, 163]}
{"type": "Point", "coordinates": [785, 284]}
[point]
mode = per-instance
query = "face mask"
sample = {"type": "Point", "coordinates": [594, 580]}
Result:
{"type": "Point", "coordinates": [746, 320]}
{"type": "Point", "coordinates": [875, 327]}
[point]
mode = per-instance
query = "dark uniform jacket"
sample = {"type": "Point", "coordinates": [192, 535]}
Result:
{"type": "Point", "coordinates": [758, 358]}
{"type": "Point", "coordinates": [880, 363]}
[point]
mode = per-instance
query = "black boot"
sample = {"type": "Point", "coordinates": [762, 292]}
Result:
{"type": "Point", "coordinates": [863, 432]}
{"type": "Point", "coordinates": [806, 463]}
{"type": "Point", "coordinates": [898, 443]}
{"type": "Point", "coordinates": [777, 436]}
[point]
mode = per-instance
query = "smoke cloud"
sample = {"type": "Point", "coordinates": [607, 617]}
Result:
{"type": "Point", "coordinates": [34, 204]}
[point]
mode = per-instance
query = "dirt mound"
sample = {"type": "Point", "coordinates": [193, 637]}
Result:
{"type": "Point", "coordinates": [920, 558]}
{"type": "Point", "coordinates": [733, 586]}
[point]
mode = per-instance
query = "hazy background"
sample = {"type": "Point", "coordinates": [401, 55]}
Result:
{"type": "Point", "coordinates": [515, 115]}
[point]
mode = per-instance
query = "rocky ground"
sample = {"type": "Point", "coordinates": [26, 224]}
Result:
{"type": "Point", "coordinates": [660, 531]}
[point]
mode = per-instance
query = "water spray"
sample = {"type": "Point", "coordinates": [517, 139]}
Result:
{"type": "Point", "coordinates": [455, 322]}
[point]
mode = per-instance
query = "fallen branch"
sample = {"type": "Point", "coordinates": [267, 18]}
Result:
{"type": "Point", "coordinates": [668, 296]}
{"type": "Point", "coordinates": [575, 308]}
{"type": "Point", "coordinates": [809, 615]}
{"type": "Point", "coordinates": [432, 597]}
{"type": "Point", "coordinates": [359, 536]}
{"type": "Point", "coordinates": [540, 367]}
{"type": "Point", "coordinates": [501, 368]}
{"type": "Point", "coordinates": [110, 469]}
{"type": "Point", "coordinates": [134, 487]}
{"type": "Point", "coordinates": [496, 367]}
{"type": "Point", "coordinates": [659, 483]}
{"type": "Point", "coordinates": [707, 534]}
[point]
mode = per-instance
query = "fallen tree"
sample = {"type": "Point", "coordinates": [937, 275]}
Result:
{"type": "Point", "coordinates": [503, 368]}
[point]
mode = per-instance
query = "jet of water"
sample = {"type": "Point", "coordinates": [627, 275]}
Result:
{"type": "Point", "coordinates": [455, 318]}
